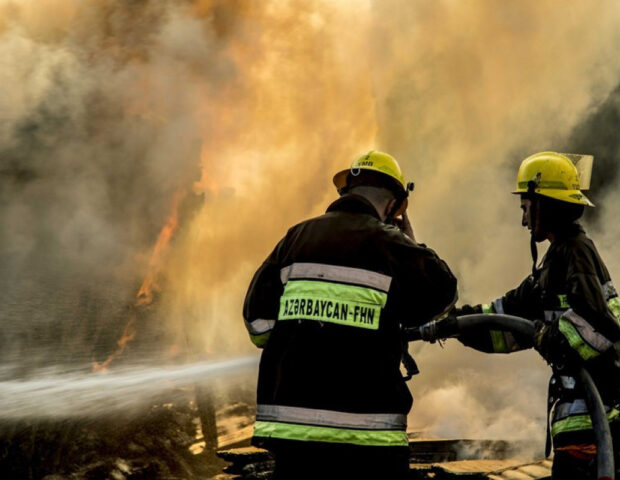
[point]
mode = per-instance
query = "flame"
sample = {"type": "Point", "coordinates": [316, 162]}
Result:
{"type": "Point", "coordinates": [149, 285]}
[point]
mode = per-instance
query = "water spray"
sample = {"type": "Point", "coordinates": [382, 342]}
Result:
{"type": "Point", "coordinates": [77, 395]}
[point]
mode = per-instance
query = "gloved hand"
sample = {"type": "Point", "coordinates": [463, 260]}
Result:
{"type": "Point", "coordinates": [545, 343]}
{"type": "Point", "coordinates": [466, 310]}
{"type": "Point", "coordinates": [540, 343]}
{"type": "Point", "coordinates": [436, 330]}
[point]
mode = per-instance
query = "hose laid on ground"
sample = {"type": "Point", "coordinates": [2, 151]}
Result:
{"type": "Point", "coordinates": [600, 425]}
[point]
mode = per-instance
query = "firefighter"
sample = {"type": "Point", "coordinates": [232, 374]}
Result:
{"type": "Point", "coordinates": [575, 306]}
{"type": "Point", "coordinates": [327, 307]}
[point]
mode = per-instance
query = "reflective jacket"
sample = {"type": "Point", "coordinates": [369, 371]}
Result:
{"type": "Point", "coordinates": [327, 306]}
{"type": "Point", "coordinates": [573, 292]}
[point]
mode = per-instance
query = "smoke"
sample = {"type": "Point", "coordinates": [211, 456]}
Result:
{"type": "Point", "coordinates": [465, 90]}
{"type": "Point", "coordinates": [112, 108]}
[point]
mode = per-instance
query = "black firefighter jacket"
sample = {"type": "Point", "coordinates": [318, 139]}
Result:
{"type": "Point", "coordinates": [327, 306]}
{"type": "Point", "coordinates": [573, 292]}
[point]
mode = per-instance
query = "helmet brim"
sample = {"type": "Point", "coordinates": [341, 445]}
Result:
{"type": "Point", "coordinates": [569, 196]}
{"type": "Point", "coordinates": [340, 179]}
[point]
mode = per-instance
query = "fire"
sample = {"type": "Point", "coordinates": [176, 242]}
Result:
{"type": "Point", "coordinates": [149, 285]}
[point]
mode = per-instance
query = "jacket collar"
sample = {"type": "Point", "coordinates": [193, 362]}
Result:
{"type": "Point", "coordinates": [569, 231]}
{"type": "Point", "coordinates": [353, 203]}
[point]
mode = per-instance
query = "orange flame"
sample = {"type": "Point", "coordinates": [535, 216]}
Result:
{"type": "Point", "coordinates": [149, 285]}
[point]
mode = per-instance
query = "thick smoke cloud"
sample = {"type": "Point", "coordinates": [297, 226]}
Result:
{"type": "Point", "coordinates": [98, 132]}
{"type": "Point", "coordinates": [113, 109]}
{"type": "Point", "coordinates": [465, 90]}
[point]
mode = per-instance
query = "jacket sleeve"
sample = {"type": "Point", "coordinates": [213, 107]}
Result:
{"type": "Point", "coordinates": [589, 328]}
{"type": "Point", "coordinates": [262, 300]}
{"type": "Point", "coordinates": [431, 286]}
{"type": "Point", "coordinates": [522, 302]}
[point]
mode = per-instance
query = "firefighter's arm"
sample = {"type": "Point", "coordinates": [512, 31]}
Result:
{"type": "Point", "coordinates": [588, 329]}
{"type": "Point", "coordinates": [434, 289]}
{"type": "Point", "coordinates": [262, 301]}
{"type": "Point", "coordinates": [515, 302]}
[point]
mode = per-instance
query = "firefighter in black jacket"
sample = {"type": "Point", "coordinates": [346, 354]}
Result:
{"type": "Point", "coordinates": [328, 306]}
{"type": "Point", "coordinates": [576, 308]}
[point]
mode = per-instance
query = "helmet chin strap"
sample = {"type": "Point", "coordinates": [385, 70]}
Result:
{"type": "Point", "coordinates": [531, 190]}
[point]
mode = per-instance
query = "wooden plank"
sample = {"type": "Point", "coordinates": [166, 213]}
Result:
{"type": "Point", "coordinates": [476, 466]}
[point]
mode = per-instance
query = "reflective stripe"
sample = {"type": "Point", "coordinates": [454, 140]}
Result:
{"type": "Point", "coordinates": [614, 306]}
{"type": "Point", "coordinates": [503, 342]}
{"type": "Point", "coordinates": [310, 433]}
{"type": "Point", "coordinates": [569, 409]}
{"type": "Point", "coordinates": [499, 342]}
{"type": "Point", "coordinates": [488, 308]}
{"type": "Point", "coordinates": [611, 297]}
{"type": "Point", "coordinates": [259, 326]}
{"type": "Point", "coordinates": [260, 340]}
{"type": "Point", "coordinates": [568, 382]}
{"type": "Point", "coordinates": [320, 271]}
{"type": "Point", "coordinates": [578, 422]}
{"type": "Point", "coordinates": [609, 290]}
{"type": "Point", "coordinates": [330, 418]}
{"type": "Point", "coordinates": [587, 338]}
{"type": "Point", "coordinates": [575, 340]}
{"type": "Point", "coordinates": [498, 305]}
{"type": "Point", "coordinates": [332, 302]}
{"type": "Point", "coordinates": [563, 299]}
{"type": "Point", "coordinates": [545, 185]}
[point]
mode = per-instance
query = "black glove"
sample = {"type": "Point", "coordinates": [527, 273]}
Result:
{"type": "Point", "coordinates": [541, 341]}
{"type": "Point", "coordinates": [436, 330]}
{"type": "Point", "coordinates": [550, 343]}
{"type": "Point", "coordinates": [466, 310]}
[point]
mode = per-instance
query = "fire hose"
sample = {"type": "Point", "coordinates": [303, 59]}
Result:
{"type": "Point", "coordinates": [522, 326]}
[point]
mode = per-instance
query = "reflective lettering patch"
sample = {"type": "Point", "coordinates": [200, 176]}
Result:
{"type": "Point", "coordinates": [311, 433]}
{"type": "Point", "coordinates": [331, 302]}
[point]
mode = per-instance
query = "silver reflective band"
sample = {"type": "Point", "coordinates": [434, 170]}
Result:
{"type": "Point", "coordinates": [260, 326]}
{"type": "Point", "coordinates": [329, 418]}
{"type": "Point", "coordinates": [594, 339]}
{"type": "Point", "coordinates": [568, 382]}
{"type": "Point", "coordinates": [570, 409]}
{"type": "Point", "coordinates": [609, 291]}
{"type": "Point", "coordinates": [552, 315]}
{"type": "Point", "coordinates": [320, 271]}
{"type": "Point", "coordinates": [498, 305]}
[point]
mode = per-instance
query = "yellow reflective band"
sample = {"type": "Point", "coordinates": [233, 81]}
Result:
{"type": "Point", "coordinates": [260, 340]}
{"type": "Point", "coordinates": [488, 308]}
{"type": "Point", "coordinates": [575, 340]}
{"type": "Point", "coordinates": [332, 302]}
{"type": "Point", "coordinates": [311, 433]}
{"type": "Point", "coordinates": [614, 306]}
{"type": "Point", "coordinates": [578, 422]}
{"type": "Point", "coordinates": [563, 299]}
{"type": "Point", "coordinates": [499, 341]}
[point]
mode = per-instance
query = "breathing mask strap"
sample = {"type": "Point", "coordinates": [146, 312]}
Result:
{"type": "Point", "coordinates": [531, 190]}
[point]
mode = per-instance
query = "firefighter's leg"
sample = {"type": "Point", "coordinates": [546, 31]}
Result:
{"type": "Point", "coordinates": [566, 466]}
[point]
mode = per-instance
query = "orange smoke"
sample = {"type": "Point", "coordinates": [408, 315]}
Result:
{"type": "Point", "coordinates": [149, 285]}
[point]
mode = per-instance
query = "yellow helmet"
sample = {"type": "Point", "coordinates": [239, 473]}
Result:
{"type": "Point", "coordinates": [554, 176]}
{"type": "Point", "coordinates": [376, 161]}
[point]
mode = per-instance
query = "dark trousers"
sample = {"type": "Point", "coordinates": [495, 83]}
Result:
{"type": "Point", "coordinates": [567, 467]}
{"type": "Point", "coordinates": [301, 461]}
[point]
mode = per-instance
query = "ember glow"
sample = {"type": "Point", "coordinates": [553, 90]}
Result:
{"type": "Point", "coordinates": [149, 285]}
